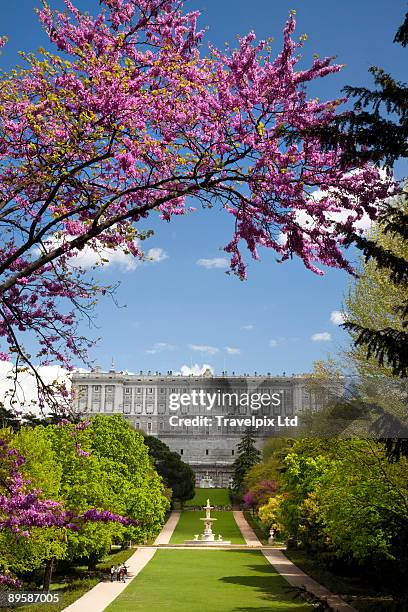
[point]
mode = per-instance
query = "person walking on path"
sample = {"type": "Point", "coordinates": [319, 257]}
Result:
{"type": "Point", "coordinates": [112, 573]}
{"type": "Point", "coordinates": [118, 572]}
{"type": "Point", "coordinates": [122, 574]}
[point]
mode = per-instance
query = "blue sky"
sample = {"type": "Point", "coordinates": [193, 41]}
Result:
{"type": "Point", "coordinates": [180, 313]}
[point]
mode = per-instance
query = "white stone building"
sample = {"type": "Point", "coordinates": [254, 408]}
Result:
{"type": "Point", "coordinates": [144, 399]}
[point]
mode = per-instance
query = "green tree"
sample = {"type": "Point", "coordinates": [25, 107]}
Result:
{"type": "Point", "coordinates": [8, 418]}
{"type": "Point", "coordinates": [85, 484]}
{"type": "Point", "coordinates": [248, 456]}
{"type": "Point", "coordinates": [376, 301]}
{"type": "Point", "coordinates": [103, 464]}
{"type": "Point", "coordinates": [377, 130]}
{"type": "Point", "coordinates": [42, 469]}
{"type": "Point", "coordinates": [138, 489]}
{"type": "Point", "coordinates": [345, 502]}
{"type": "Point", "coordinates": [176, 474]}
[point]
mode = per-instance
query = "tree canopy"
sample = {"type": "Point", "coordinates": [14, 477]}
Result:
{"type": "Point", "coordinates": [133, 119]}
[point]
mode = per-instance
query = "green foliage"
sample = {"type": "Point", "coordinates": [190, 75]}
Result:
{"type": "Point", "coordinates": [136, 485]}
{"type": "Point", "coordinates": [377, 307]}
{"type": "Point", "coordinates": [176, 474]}
{"type": "Point", "coordinates": [8, 418]}
{"type": "Point", "coordinates": [345, 497]}
{"type": "Point", "coordinates": [105, 465]}
{"type": "Point", "coordinates": [377, 130]}
{"type": "Point", "coordinates": [377, 301]}
{"type": "Point", "coordinates": [43, 470]}
{"type": "Point", "coordinates": [274, 452]}
{"type": "Point", "coordinates": [276, 448]}
{"type": "Point", "coordinates": [248, 456]}
{"type": "Point", "coordinates": [367, 133]}
{"type": "Point", "coordinates": [42, 465]}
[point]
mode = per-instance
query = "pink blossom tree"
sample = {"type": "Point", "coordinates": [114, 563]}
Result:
{"type": "Point", "coordinates": [135, 119]}
{"type": "Point", "coordinates": [24, 507]}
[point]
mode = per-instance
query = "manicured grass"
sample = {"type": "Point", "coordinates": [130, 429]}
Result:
{"type": "Point", "coordinates": [217, 497]}
{"type": "Point", "coordinates": [72, 587]}
{"type": "Point", "coordinates": [208, 581]}
{"type": "Point", "coordinates": [70, 591]}
{"type": "Point", "coordinates": [190, 524]}
{"type": "Point", "coordinates": [365, 598]}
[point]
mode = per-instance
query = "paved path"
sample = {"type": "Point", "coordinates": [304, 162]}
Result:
{"type": "Point", "coordinates": [247, 532]}
{"type": "Point", "coordinates": [98, 598]}
{"type": "Point", "coordinates": [295, 576]}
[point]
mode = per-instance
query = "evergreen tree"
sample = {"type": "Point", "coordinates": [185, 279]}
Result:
{"type": "Point", "coordinates": [8, 418]}
{"type": "Point", "coordinates": [176, 474]}
{"type": "Point", "coordinates": [369, 134]}
{"type": "Point", "coordinates": [248, 456]}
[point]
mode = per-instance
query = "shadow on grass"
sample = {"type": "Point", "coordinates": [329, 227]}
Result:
{"type": "Point", "coordinates": [272, 588]}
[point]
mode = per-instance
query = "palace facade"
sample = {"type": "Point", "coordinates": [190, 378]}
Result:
{"type": "Point", "coordinates": [205, 433]}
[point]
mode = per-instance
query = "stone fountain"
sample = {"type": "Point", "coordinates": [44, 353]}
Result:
{"type": "Point", "coordinates": [208, 537]}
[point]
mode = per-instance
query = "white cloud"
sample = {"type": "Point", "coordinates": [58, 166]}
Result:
{"type": "Point", "coordinates": [306, 221]}
{"type": "Point", "coordinates": [196, 370]}
{"type": "Point", "coordinates": [159, 347]}
{"type": "Point", "coordinates": [156, 255]}
{"type": "Point", "coordinates": [232, 351]}
{"type": "Point", "coordinates": [203, 348]}
{"type": "Point", "coordinates": [26, 388]}
{"type": "Point", "coordinates": [273, 343]}
{"type": "Point", "coordinates": [337, 317]}
{"type": "Point", "coordinates": [216, 262]}
{"type": "Point", "coordinates": [321, 337]}
{"type": "Point", "coordinates": [88, 258]}
{"type": "Point", "coordinates": [249, 327]}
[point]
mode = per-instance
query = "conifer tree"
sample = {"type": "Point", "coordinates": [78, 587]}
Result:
{"type": "Point", "coordinates": [248, 456]}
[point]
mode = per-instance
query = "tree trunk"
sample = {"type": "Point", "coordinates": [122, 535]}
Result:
{"type": "Point", "coordinates": [92, 561]}
{"type": "Point", "coordinates": [49, 566]}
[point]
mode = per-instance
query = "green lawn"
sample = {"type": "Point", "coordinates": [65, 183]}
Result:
{"type": "Point", "coordinates": [217, 497]}
{"type": "Point", "coordinates": [79, 582]}
{"type": "Point", "coordinates": [208, 581]}
{"type": "Point", "coordinates": [190, 524]}
{"type": "Point", "coordinates": [366, 598]}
